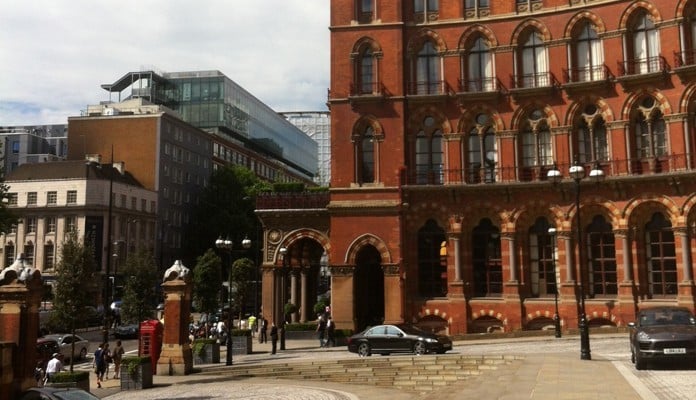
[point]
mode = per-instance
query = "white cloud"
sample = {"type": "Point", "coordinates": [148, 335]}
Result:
{"type": "Point", "coordinates": [56, 53]}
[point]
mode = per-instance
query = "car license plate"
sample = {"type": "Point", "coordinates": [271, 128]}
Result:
{"type": "Point", "coordinates": [676, 350]}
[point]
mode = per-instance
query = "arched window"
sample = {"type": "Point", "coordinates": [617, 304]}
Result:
{"type": "Point", "coordinates": [591, 139]}
{"type": "Point", "coordinates": [477, 67]}
{"type": "Point", "coordinates": [429, 153]}
{"type": "Point", "coordinates": [660, 257]}
{"type": "Point", "coordinates": [432, 270]}
{"type": "Point", "coordinates": [541, 259]}
{"type": "Point", "coordinates": [482, 151]}
{"type": "Point", "coordinates": [601, 258]}
{"type": "Point", "coordinates": [649, 129]}
{"type": "Point", "coordinates": [532, 62]}
{"type": "Point", "coordinates": [427, 70]}
{"type": "Point", "coordinates": [689, 34]}
{"type": "Point", "coordinates": [365, 10]}
{"type": "Point", "coordinates": [486, 260]}
{"type": "Point", "coordinates": [366, 78]}
{"type": "Point", "coordinates": [588, 55]}
{"type": "Point", "coordinates": [645, 44]}
{"type": "Point", "coordinates": [536, 141]}
{"type": "Point", "coordinates": [367, 151]}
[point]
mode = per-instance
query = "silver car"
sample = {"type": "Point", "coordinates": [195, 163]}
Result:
{"type": "Point", "coordinates": [65, 342]}
{"type": "Point", "coordinates": [663, 333]}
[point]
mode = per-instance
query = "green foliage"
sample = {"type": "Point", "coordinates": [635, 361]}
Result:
{"type": "Point", "coordinates": [301, 327]}
{"type": "Point", "coordinates": [7, 217]}
{"type": "Point", "coordinates": [318, 189]}
{"type": "Point", "coordinates": [289, 308]}
{"type": "Point", "coordinates": [288, 187]}
{"type": "Point", "coordinates": [241, 332]}
{"type": "Point", "coordinates": [140, 289]}
{"type": "Point", "coordinates": [207, 281]}
{"type": "Point", "coordinates": [320, 306]}
{"type": "Point", "coordinates": [65, 377]}
{"type": "Point", "coordinates": [198, 346]}
{"type": "Point", "coordinates": [225, 207]}
{"type": "Point", "coordinates": [241, 275]}
{"type": "Point", "coordinates": [74, 274]}
{"type": "Point", "coordinates": [133, 363]}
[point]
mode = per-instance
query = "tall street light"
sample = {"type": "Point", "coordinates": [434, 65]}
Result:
{"type": "Point", "coordinates": [577, 173]}
{"type": "Point", "coordinates": [226, 246]}
{"type": "Point", "coordinates": [283, 294]}
{"type": "Point", "coordinates": [556, 316]}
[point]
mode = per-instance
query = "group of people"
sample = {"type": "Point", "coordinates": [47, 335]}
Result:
{"type": "Point", "coordinates": [53, 366]}
{"type": "Point", "coordinates": [103, 357]}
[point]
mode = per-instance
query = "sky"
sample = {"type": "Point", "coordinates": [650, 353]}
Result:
{"type": "Point", "coordinates": [56, 54]}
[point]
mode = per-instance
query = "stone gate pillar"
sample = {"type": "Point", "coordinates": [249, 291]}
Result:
{"type": "Point", "coordinates": [176, 357]}
{"type": "Point", "coordinates": [20, 296]}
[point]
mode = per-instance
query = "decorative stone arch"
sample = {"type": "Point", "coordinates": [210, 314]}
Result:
{"type": "Point", "coordinates": [540, 319]}
{"type": "Point", "coordinates": [687, 102]}
{"type": "Point", "coordinates": [466, 119]}
{"type": "Point", "coordinates": [682, 6]}
{"type": "Point", "coordinates": [425, 211]}
{"type": "Point", "coordinates": [474, 31]}
{"type": "Point", "coordinates": [298, 234]}
{"type": "Point", "coordinates": [530, 23]}
{"type": "Point", "coordinates": [368, 240]}
{"type": "Point", "coordinates": [521, 113]}
{"type": "Point", "coordinates": [364, 42]}
{"type": "Point", "coordinates": [421, 37]}
{"type": "Point", "coordinates": [526, 216]}
{"type": "Point", "coordinates": [576, 109]}
{"type": "Point", "coordinates": [595, 206]}
{"type": "Point", "coordinates": [489, 319]}
{"type": "Point", "coordinates": [417, 117]}
{"type": "Point", "coordinates": [364, 122]}
{"type": "Point", "coordinates": [578, 18]}
{"type": "Point", "coordinates": [631, 103]}
{"type": "Point", "coordinates": [689, 205]}
{"type": "Point", "coordinates": [632, 9]}
{"type": "Point", "coordinates": [636, 208]}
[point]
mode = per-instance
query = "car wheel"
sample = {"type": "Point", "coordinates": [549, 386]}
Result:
{"type": "Point", "coordinates": [364, 350]}
{"type": "Point", "coordinates": [419, 348]}
{"type": "Point", "coordinates": [83, 353]}
{"type": "Point", "coordinates": [641, 363]}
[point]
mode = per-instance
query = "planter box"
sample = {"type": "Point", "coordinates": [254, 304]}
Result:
{"type": "Point", "coordinates": [141, 379]}
{"type": "Point", "coordinates": [83, 384]}
{"type": "Point", "coordinates": [242, 345]}
{"type": "Point", "coordinates": [210, 354]}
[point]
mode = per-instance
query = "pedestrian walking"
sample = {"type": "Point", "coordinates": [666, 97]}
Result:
{"type": "Point", "coordinates": [54, 366]}
{"type": "Point", "coordinates": [264, 328]}
{"type": "Point", "coordinates": [321, 330]}
{"type": "Point", "coordinates": [274, 337]}
{"type": "Point", "coordinates": [116, 356]}
{"type": "Point", "coordinates": [99, 364]}
{"type": "Point", "coordinates": [330, 333]}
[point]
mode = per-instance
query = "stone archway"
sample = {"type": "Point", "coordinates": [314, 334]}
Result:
{"type": "Point", "coordinates": [368, 288]}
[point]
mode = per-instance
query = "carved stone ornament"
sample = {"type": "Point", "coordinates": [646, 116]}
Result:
{"type": "Point", "coordinates": [19, 271]}
{"type": "Point", "coordinates": [176, 271]}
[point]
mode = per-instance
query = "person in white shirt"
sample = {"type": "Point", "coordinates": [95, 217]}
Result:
{"type": "Point", "coordinates": [54, 366]}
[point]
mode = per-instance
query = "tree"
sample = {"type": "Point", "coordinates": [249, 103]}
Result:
{"type": "Point", "coordinates": [207, 281]}
{"type": "Point", "coordinates": [74, 270]}
{"type": "Point", "coordinates": [140, 289]}
{"type": "Point", "coordinates": [240, 276]}
{"type": "Point", "coordinates": [227, 201]}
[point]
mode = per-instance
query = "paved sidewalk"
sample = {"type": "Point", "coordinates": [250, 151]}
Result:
{"type": "Point", "coordinates": [547, 376]}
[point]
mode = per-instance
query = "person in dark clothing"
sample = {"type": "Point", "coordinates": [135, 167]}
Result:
{"type": "Point", "coordinates": [262, 329]}
{"type": "Point", "coordinates": [321, 331]}
{"type": "Point", "coordinates": [274, 337]}
{"type": "Point", "coordinates": [330, 333]}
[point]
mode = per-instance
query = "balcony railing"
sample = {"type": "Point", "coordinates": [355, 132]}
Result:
{"type": "Point", "coordinates": [292, 200]}
{"type": "Point", "coordinates": [586, 74]}
{"type": "Point", "coordinates": [366, 89]}
{"type": "Point", "coordinates": [639, 66]}
{"type": "Point", "coordinates": [684, 58]}
{"type": "Point", "coordinates": [535, 80]}
{"type": "Point", "coordinates": [428, 88]}
{"type": "Point", "coordinates": [668, 164]}
{"type": "Point", "coordinates": [479, 85]}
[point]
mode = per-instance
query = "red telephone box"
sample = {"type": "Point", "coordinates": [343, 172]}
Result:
{"type": "Point", "coordinates": [151, 332]}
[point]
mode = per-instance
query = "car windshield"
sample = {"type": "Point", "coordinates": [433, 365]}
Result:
{"type": "Point", "coordinates": [667, 317]}
{"type": "Point", "coordinates": [74, 395]}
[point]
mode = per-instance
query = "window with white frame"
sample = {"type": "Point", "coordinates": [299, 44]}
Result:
{"type": "Point", "coordinates": [31, 198]}
{"type": "Point", "coordinates": [72, 197]}
{"type": "Point", "coordinates": [52, 198]}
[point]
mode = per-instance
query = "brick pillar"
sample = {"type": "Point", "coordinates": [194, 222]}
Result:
{"type": "Point", "coordinates": [176, 357]}
{"type": "Point", "coordinates": [20, 296]}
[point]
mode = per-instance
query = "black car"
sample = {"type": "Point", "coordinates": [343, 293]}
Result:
{"type": "Point", "coordinates": [54, 393]}
{"type": "Point", "coordinates": [127, 331]}
{"type": "Point", "coordinates": [402, 338]}
{"type": "Point", "coordinates": [663, 333]}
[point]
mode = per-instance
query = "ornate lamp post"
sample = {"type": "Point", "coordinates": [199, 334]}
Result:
{"type": "Point", "coordinates": [556, 316]}
{"type": "Point", "coordinates": [226, 246]}
{"type": "Point", "coordinates": [577, 173]}
{"type": "Point", "coordinates": [284, 253]}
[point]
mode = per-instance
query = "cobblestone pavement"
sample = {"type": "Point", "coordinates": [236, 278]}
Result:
{"type": "Point", "coordinates": [661, 382]}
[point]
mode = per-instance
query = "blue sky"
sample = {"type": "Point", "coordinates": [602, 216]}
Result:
{"type": "Point", "coordinates": [55, 54]}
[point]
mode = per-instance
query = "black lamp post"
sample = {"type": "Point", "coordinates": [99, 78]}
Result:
{"type": "Point", "coordinates": [226, 246]}
{"type": "Point", "coordinates": [284, 287]}
{"type": "Point", "coordinates": [556, 316]}
{"type": "Point", "coordinates": [577, 173]}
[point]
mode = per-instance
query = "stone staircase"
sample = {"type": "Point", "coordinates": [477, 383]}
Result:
{"type": "Point", "coordinates": [418, 373]}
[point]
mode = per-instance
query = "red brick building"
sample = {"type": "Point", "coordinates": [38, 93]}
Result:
{"type": "Point", "coordinates": [447, 117]}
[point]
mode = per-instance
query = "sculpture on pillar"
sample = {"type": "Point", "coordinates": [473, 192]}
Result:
{"type": "Point", "coordinates": [176, 357]}
{"type": "Point", "coordinates": [18, 272]}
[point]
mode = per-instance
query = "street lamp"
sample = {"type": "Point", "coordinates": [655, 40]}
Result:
{"type": "Point", "coordinates": [577, 173]}
{"type": "Point", "coordinates": [284, 253]}
{"type": "Point", "coordinates": [556, 316]}
{"type": "Point", "coordinates": [226, 246]}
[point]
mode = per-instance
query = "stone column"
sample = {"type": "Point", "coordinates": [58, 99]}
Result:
{"type": "Point", "coordinates": [293, 292]}
{"type": "Point", "coordinates": [176, 357]}
{"type": "Point", "coordinates": [20, 296]}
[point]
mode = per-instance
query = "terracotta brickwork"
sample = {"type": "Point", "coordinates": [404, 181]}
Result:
{"type": "Point", "coordinates": [458, 114]}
